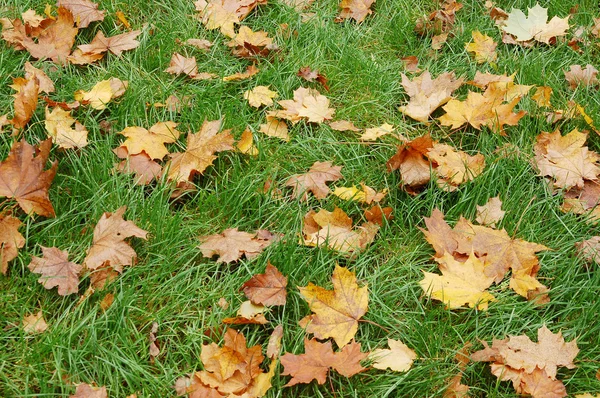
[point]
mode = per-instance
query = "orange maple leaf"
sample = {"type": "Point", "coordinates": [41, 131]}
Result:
{"type": "Point", "coordinates": [10, 240]}
{"type": "Point", "coordinates": [231, 244]}
{"type": "Point", "coordinates": [56, 270]}
{"type": "Point", "coordinates": [315, 180]}
{"type": "Point", "coordinates": [267, 288]}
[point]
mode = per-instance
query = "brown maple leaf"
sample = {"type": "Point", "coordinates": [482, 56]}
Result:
{"type": "Point", "coordinates": [59, 125]}
{"type": "Point", "coordinates": [231, 244]}
{"type": "Point", "coordinates": [311, 75]}
{"type": "Point", "coordinates": [248, 313]}
{"type": "Point", "coordinates": [115, 44]}
{"type": "Point", "coordinates": [268, 288]}
{"type": "Point", "coordinates": [22, 177]}
{"type": "Point", "coordinates": [308, 104]}
{"type": "Point", "coordinates": [355, 9]}
{"type": "Point", "coordinates": [334, 230]}
{"type": "Point", "coordinates": [26, 99]}
{"type": "Point", "coordinates": [589, 250]}
{"type": "Point", "coordinates": [315, 180]}
{"type": "Point", "coordinates": [318, 358]}
{"type": "Point", "coordinates": [34, 323]}
{"type": "Point", "coordinates": [247, 43]}
{"type": "Point", "coordinates": [56, 40]}
{"type": "Point", "coordinates": [398, 357]}
{"type": "Point", "coordinates": [56, 270]}
{"type": "Point", "coordinates": [84, 11]}
{"type": "Point", "coordinates": [10, 240]}
{"type": "Point", "coordinates": [578, 76]}
{"type": "Point", "coordinates": [85, 390]}
{"type": "Point", "coordinates": [439, 21]}
{"type": "Point", "coordinates": [411, 160]}
{"type": "Point", "coordinates": [45, 83]}
{"type": "Point", "coordinates": [182, 65]}
{"type": "Point", "coordinates": [337, 311]}
{"type": "Point", "coordinates": [144, 168]}
{"type": "Point", "coordinates": [427, 94]}
{"type": "Point", "coordinates": [109, 246]}
{"type": "Point", "coordinates": [200, 151]}
{"type": "Point", "coordinates": [223, 14]}
{"type": "Point", "coordinates": [490, 213]}
{"type": "Point", "coordinates": [566, 159]}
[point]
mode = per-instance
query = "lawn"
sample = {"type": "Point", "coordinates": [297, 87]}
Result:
{"type": "Point", "coordinates": [173, 285]}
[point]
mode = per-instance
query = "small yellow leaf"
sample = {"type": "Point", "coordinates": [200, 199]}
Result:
{"type": "Point", "coordinates": [246, 143]}
{"type": "Point", "coordinates": [398, 358]}
{"type": "Point", "coordinates": [260, 95]}
{"type": "Point", "coordinates": [275, 128]}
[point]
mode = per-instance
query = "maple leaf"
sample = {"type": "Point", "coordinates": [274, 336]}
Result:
{"type": "Point", "coordinates": [267, 288]}
{"type": "Point", "coordinates": [115, 44]}
{"type": "Point", "coordinates": [34, 323]}
{"type": "Point", "coordinates": [483, 47]}
{"type": "Point", "coordinates": [307, 103]}
{"type": "Point", "coordinates": [22, 177]}
{"type": "Point", "coordinates": [248, 313]}
{"type": "Point", "coordinates": [109, 246]}
{"type": "Point", "coordinates": [275, 128]}
{"type": "Point", "coordinates": [247, 43]}
{"type": "Point", "coordinates": [334, 230]}
{"type": "Point", "coordinates": [59, 127]}
{"type": "Point", "coordinates": [589, 249]}
{"type": "Point", "coordinates": [337, 311]}
{"type": "Point", "coordinates": [566, 159]}
{"type": "Point", "coordinates": [490, 213]}
{"type": "Point", "coordinates": [373, 133]}
{"type": "Point", "coordinates": [274, 345]}
{"type": "Point", "coordinates": [535, 25]}
{"type": "Point", "coordinates": [144, 168]}
{"type": "Point", "coordinates": [182, 65]}
{"type": "Point", "coordinates": [56, 40]}
{"type": "Point", "coordinates": [56, 270]}
{"type": "Point", "coordinates": [246, 143]}
{"type": "Point", "coordinates": [542, 96]}
{"type": "Point", "coordinates": [578, 76]}
{"type": "Point", "coordinates": [427, 94]}
{"type": "Point", "coordinates": [10, 240]}
{"type": "Point", "coordinates": [460, 283]}
{"type": "Point", "coordinates": [311, 75]}
{"type": "Point", "coordinates": [231, 244]}
{"type": "Point", "coordinates": [85, 390]}
{"type": "Point", "coordinates": [439, 20]}
{"type": "Point", "coordinates": [532, 367]}
{"type": "Point", "coordinates": [411, 160]}
{"type": "Point", "coordinates": [151, 141]}
{"type": "Point", "coordinates": [102, 93]}
{"type": "Point", "coordinates": [318, 358]}
{"type": "Point", "coordinates": [364, 195]}
{"type": "Point", "coordinates": [315, 180]}
{"type": "Point", "coordinates": [200, 151]}
{"type": "Point", "coordinates": [343, 125]}
{"type": "Point", "coordinates": [45, 83]}
{"type": "Point", "coordinates": [26, 99]}
{"type": "Point", "coordinates": [84, 11]}
{"type": "Point", "coordinates": [260, 95]}
{"type": "Point", "coordinates": [355, 9]}
{"type": "Point", "coordinates": [454, 167]}
{"type": "Point", "coordinates": [398, 357]}
{"type": "Point", "coordinates": [250, 71]}
{"type": "Point", "coordinates": [201, 44]}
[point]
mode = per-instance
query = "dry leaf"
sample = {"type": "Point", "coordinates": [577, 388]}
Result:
{"type": "Point", "coordinates": [223, 14]}
{"type": "Point", "coordinates": [200, 151]}
{"type": "Point", "coordinates": [427, 94]}
{"type": "Point", "coordinates": [45, 84]}
{"type": "Point", "coordinates": [250, 71]}
{"type": "Point", "coordinates": [438, 41]}
{"type": "Point", "coordinates": [107, 301]}
{"type": "Point", "coordinates": [59, 125]}
{"type": "Point", "coordinates": [315, 180]}
{"type": "Point", "coordinates": [355, 9]}
{"type": "Point", "coordinates": [542, 96]}
{"type": "Point", "coordinates": [268, 288]}
{"type": "Point", "coordinates": [398, 358]}
{"type": "Point", "coordinates": [490, 213]}
{"type": "Point", "coordinates": [275, 128]}
{"type": "Point", "coordinates": [154, 350]}
{"type": "Point", "coordinates": [589, 249]}
{"type": "Point", "coordinates": [84, 11]}
{"type": "Point", "coordinates": [181, 65]}
{"type": "Point", "coordinates": [260, 95]}
{"type": "Point", "coordinates": [337, 311]}
{"type": "Point", "coordinates": [86, 391]}
{"type": "Point", "coordinates": [308, 104]}
{"type": "Point", "coordinates": [109, 246]}
{"type": "Point", "coordinates": [144, 168]}
{"type": "Point", "coordinates": [454, 167]}
{"type": "Point", "coordinates": [343, 125]}
{"type": "Point", "coordinates": [377, 214]}
{"type": "Point", "coordinates": [55, 40]}
{"type": "Point", "coordinates": [152, 141]}
{"type": "Point", "coordinates": [56, 270]}
{"type": "Point", "coordinates": [274, 345]}
{"type": "Point", "coordinates": [26, 99]}
{"type": "Point", "coordinates": [247, 43]}
{"type": "Point", "coordinates": [578, 76]}
{"type": "Point", "coordinates": [411, 159]}
{"type": "Point", "coordinates": [460, 283]}
{"type": "Point", "coordinates": [11, 240]}
{"type": "Point", "coordinates": [200, 44]}
{"type": "Point", "coordinates": [483, 47]}
{"type": "Point", "coordinates": [411, 64]}
{"type": "Point", "coordinates": [246, 143]}
{"type": "Point", "coordinates": [22, 177]}
{"type": "Point", "coordinates": [248, 313]}
{"type": "Point", "coordinates": [34, 323]}
{"type": "Point", "coordinates": [373, 133]}
{"type": "Point", "coordinates": [102, 93]}
{"type": "Point", "coordinates": [364, 195]}
{"type": "Point", "coordinates": [438, 21]}
{"type": "Point", "coordinates": [534, 26]}
{"type": "Point", "coordinates": [115, 44]}
{"type": "Point", "coordinates": [231, 245]}
{"type": "Point", "coordinates": [313, 75]}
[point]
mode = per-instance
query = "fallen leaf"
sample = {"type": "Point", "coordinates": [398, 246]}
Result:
{"type": "Point", "coordinates": [313, 75]}
{"type": "Point", "coordinates": [246, 143]}
{"type": "Point", "coordinates": [11, 240]}
{"type": "Point", "coordinates": [115, 44]}
{"type": "Point", "coordinates": [438, 41]}
{"type": "Point", "coordinates": [86, 391]}
{"type": "Point", "coordinates": [315, 180]}
{"type": "Point", "coordinates": [490, 213]}
{"type": "Point", "coordinates": [483, 47]}
{"type": "Point", "coordinates": [454, 167]}
{"type": "Point", "coordinates": [231, 245]}
{"type": "Point", "coordinates": [260, 95]}
{"type": "Point", "coordinates": [337, 311]}
{"type": "Point", "coordinates": [107, 301]}
{"type": "Point", "coordinates": [109, 246]}
{"type": "Point", "coordinates": [248, 313]}
{"type": "Point", "coordinates": [250, 71]}
{"type": "Point", "coordinates": [56, 270]}
{"type": "Point", "coordinates": [566, 159]}
{"type": "Point", "coordinates": [308, 104]}
{"type": "Point", "coordinates": [589, 249]}
{"type": "Point", "coordinates": [26, 100]}
{"type": "Point", "coordinates": [22, 177]}
{"type": "Point", "coordinates": [55, 40]}
{"type": "Point", "coordinates": [343, 125]}
{"type": "Point", "coordinates": [411, 159]}
{"type": "Point", "coordinates": [274, 345]}
{"type": "Point", "coordinates": [355, 9]}
{"type": "Point", "coordinates": [275, 128]}
{"type": "Point", "coordinates": [181, 65]}
{"type": "Point", "coordinates": [102, 93]}
{"type": "Point", "coordinates": [84, 11]}
{"type": "Point", "coordinates": [151, 141]}
{"type": "Point", "coordinates": [34, 323]}
{"type": "Point", "coordinates": [200, 151]}
{"type": "Point", "coordinates": [318, 358]}
{"type": "Point", "coordinates": [268, 288]}
{"type": "Point", "coordinates": [578, 76]}
{"type": "Point", "coordinates": [439, 21]}
{"type": "Point", "coordinates": [542, 96]}
{"type": "Point", "coordinates": [460, 283]}
{"type": "Point", "coordinates": [201, 44]}
{"type": "Point", "coordinates": [248, 43]}
{"type": "Point", "coordinates": [144, 168]}
{"type": "Point", "coordinates": [224, 14]}
{"type": "Point", "coordinates": [44, 82]}
{"type": "Point", "coordinates": [123, 19]}
{"type": "Point", "coordinates": [154, 350]}
{"type": "Point", "coordinates": [364, 195]}
{"type": "Point", "coordinates": [59, 125]}
{"type": "Point", "coordinates": [377, 214]}
{"type": "Point", "coordinates": [427, 94]}
{"type": "Point", "coordinates": [411, 64]}
{"type": "Point", "coordinates": [534, 26]}
{"type": "Point", "coordinates": [373, 133]}
{"type": "Point", "coordinates": [398, 358]}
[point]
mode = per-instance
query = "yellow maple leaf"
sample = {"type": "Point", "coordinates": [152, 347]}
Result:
{"type": "Point", "coordinates": [150, 141]}
{"type": "Point", "coordinates": [59, 125]}
{"type": "Point", "coordinates": [535, 25]}
{"type": "Point", "coordinates": [483, 46]}
{"type": "Point", "coordinates": [260, 95]}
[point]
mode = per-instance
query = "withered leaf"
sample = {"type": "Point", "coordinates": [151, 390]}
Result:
{"type": "Point", "coordinates": [337, 311]}
{"type": "Point", "coordinates": [355, 9]}
{"type": "Point", "coordinates": [579, 76]}
{"type": "Point", "coordinates": [56, 270]}
{"type": "Point", "coordinates": [56, 40]}
{"type": "Point", "coordinates": [34, 323]}
{"type": "Point", "coordinates": [490, 213]}
{"type": "Point", "coordinates": [84, 11]}
{"type": "Point", "coordinates": [22, 177]}
{"type": "Point", "coordinates": [398, 357]}
{"type": "Point", "coordinates": [11, 240]}
{"type": "Point", "coordinates": [144, 168]}
{"type": "Point", "coordinates": [268, 288]}
{"type": "Point", "coordinates": [151, 141]}
{"type": "Point", "coordinates": [26, 99]}
{"type": "Point", "coordinates": [85, 390]}
{"type": "Point", "coordinates": [534, 26]}
{"type": "Point", "coordinates": [483, 47]}
{"type": "Point", "coordinates": [115, 44]}
{"type": "Point", "coordinates": [231, 245]}
{"type": "Point", "coordinates": [315, 180]}
{"type": "Point", "coordinates": [109, 246]}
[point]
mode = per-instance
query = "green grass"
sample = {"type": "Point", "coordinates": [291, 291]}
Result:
{"type": "Point", "coordinates": [175, 286]}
